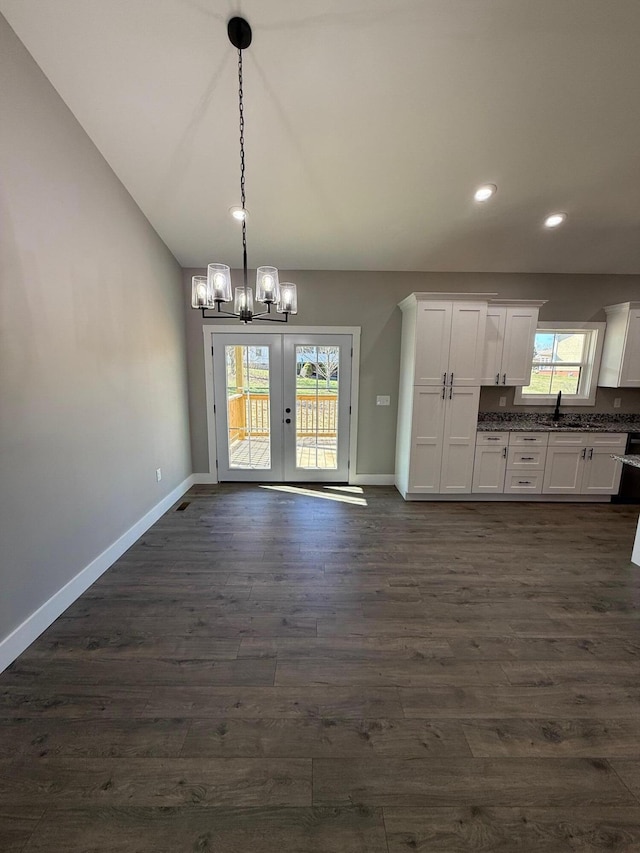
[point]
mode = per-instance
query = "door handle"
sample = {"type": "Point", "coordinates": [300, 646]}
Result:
{"type": "Point", "coordinates": [444, 391]}
{"type": "Point", "coordinates": [584, 453]}
{"type": "Point", "coordinates": [526, 458]}
{"type": "Point", "coordinates": [591, 453]}
{"type": "Point", "coordinates": [452, 378]}
{"type": "Point", "coordinates": [451, 388]}
{"type": "Point", "coordinates": [497, 378]}
{"type": "Point", "coordinates": [504, 453]}
{"type": "Point", "coordinates": [444, 378]}
{"type": "Point", "coordinates": [504, 378]}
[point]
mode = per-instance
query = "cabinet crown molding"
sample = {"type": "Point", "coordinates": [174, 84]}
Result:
{"type": "Point", "coordinates": [518, 303]}
{"type": "Point", "coordinates": [433, 296]}
{"type": "Point", "coordinates": [621, 306]}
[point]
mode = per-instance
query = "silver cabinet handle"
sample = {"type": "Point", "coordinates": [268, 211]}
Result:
{"type": "Point", "coordinates": [444, 378]}
{"type": "Point", "coordinates": [529, 439]}
{"type": "Point", "coordinates": [504, 453]}
{"type": "Point", "coordinates": [451, 388]}
{"type": "Point", "coordinates": [527, 458]}
{"type": "Point", "coordinates": [452, 378]}
{"type": "Point", "coordinates": [444, 391]}
{"type": "Point", "coordinates": [492, 438]}
{"type": "Point", "coordinates": [584, 453]}
{"type": "Point", "coordinates": [524, 482]}
{"type": "Point", "coordinates": [497, 378]}
{"type": "Point", "coordinates": [504, 378]}
{"type": "Point", "coordinates": [591, 453]}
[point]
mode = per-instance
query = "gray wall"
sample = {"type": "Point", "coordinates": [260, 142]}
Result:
{"type": "Point", "coordinates": [93, 392]}
{"type": "Point", "coordinates": [369, 300]}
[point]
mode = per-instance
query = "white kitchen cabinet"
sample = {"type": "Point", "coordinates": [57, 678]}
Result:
{"type": "Point", "coordinates": [581, 463]}
{"type": "Point", "coordinates": [440, 360]}
{"type": "Point", "coordinates": [449, 339]}
{"type": "Point", "coordinates": [443, 439]}
{"type": "Point", "coordinates": [620, 364]}
{"type": "Point", "coordinates": [509, 339]}
{"type": "Point", "coordinates": [489, 469]}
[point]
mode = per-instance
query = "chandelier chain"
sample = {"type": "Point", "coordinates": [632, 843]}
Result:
{"type": "Point", "coordinates": [242, 166]}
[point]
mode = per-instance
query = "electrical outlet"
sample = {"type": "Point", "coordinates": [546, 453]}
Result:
{"type": "Point", "coordinates": [383, 400]}
{"type": "Point", "coordinates": [503, 401]}
{"type": "Point", "coordinates": [158, 474]}
{"type": "Point", "coordinates": [617, 401]}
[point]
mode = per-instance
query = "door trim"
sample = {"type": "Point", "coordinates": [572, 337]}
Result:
{"type": "Point", "coordinates": [208, 330]}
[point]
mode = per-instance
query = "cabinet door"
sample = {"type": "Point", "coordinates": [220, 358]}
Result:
{"type": "Point", "coordinates": [427, 431]}
{"type": "Point", "coordinates": [433, 340]}
{"type": "Point", "coordinates": [517, 352]}
{"type": "Point", "coordinates": [563, 471]}
{"type": "Point", "coordinates": [601, 473]}
{"type": "Point", "coordinates": [468, 325]}
{"type": "Point", "coordinates": [630, 374]}
{"type": "Point", "coordinates": [489, 466]}
{"type": "Point", "coordinates": [493, 343]}
{"type": "Point", "coordinates": [460, 422]}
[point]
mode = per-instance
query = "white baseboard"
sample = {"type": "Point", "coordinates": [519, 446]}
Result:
{"type": "Point", "coordinates": [21, 638]}
{"type": "Point", "coordinates": [372, 480]}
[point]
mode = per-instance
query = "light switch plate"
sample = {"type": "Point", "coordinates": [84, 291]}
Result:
{"type": "Point", "coordinates": [616, 402]}
{"type": "Point", "coordinates": [503, 401]}
{"type": "Point", "coordinates": [383, 400]}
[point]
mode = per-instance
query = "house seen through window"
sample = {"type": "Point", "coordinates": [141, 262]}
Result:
{"type": "Point", "coordinates": [564, 359]}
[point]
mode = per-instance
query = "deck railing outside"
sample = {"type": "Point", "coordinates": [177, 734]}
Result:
{"type": "Point", "coordinates": [315, 415]}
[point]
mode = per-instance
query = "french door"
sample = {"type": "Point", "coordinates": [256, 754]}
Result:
{"type": "Point", "coordinates": [282, 406]}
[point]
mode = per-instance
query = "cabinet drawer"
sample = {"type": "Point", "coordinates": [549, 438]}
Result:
{"type": "Point", "coordinates": [523, 482]}
{"type": "Point", "coordinates": [526, 458]}
{"type": "Point", "coordinates": [588, 439]}
{"type": "Point", "coordinates": [528, 439]}
{"type": "Point", "coordinates": [492, 439]}
{"type": "Point", "coordinates": [607, 439]}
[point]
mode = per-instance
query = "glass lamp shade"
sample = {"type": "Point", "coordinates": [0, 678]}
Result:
{"type": "Point", "coordinates": [219, 279]}
{"type": "Point", "coordinates": [243, 303]}
{"type": "Point", "coordinates": [267, 286]}
{"type": "Point", "coordinates": [288, 302]}
{"type": "Point", "coordinates": [199, 292]}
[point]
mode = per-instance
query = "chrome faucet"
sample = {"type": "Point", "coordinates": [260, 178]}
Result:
{"type": "Point", "coordinates": [556, 411]}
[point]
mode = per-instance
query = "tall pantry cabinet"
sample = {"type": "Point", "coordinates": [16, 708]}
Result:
{"type": "Point", "coordinates": [443, 341]}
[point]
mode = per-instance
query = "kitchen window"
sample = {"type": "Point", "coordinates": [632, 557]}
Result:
{"type": "Point", "coordinates": [566, 357]}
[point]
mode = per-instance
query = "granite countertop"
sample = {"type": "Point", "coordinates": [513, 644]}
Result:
{"type": "Point", "coordinates": [630, 459]}
{"type": "Point", "coordinates": [543, 422]}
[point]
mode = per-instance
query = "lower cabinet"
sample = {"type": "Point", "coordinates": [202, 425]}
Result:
{"type": "Point", "coordinates": [547, 463]}
{"type": "Point", "coordinates": [490, 463]}
{"type": "Point", "coordinates": [581, 463]}
{"type": "Point", "coordinates": [444, 432]}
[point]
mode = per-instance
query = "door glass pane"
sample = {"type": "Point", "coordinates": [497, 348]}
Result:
{"type": "Point", "coordinates": [317, 384]}
{"type": "Point", "coordinates": [248, 406]}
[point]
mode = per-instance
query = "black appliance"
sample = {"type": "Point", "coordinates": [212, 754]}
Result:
{"type": "Point", "coordinates": [630, 482]}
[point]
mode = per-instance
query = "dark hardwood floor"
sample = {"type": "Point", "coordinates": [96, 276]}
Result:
{"type": "Point", "coordinates": [352, 674]}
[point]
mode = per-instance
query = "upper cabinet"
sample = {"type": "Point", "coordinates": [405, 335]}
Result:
{"type": "Point", "coordinates": [448, 338]}
{"type": "Point", "coordinates": [508, 349]}
{"type": "Point", "coordinates": [620, 366]}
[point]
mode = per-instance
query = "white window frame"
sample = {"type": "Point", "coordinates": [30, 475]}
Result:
{"type": "Point", "coordinates": [590, 367]}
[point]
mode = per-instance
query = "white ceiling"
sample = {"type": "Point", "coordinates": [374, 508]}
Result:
{"type": "Point", "coordinates": [369, 125]}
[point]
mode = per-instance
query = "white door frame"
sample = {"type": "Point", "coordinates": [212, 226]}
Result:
{"type": "Point", "coordinates": [210, 329]}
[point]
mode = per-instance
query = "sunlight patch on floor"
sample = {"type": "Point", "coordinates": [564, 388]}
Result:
{"type": "Point", "coordinates": [311, 493]}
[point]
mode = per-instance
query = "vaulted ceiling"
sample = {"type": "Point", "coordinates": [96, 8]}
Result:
{"type": "Point", "coordinates": [369, 124]}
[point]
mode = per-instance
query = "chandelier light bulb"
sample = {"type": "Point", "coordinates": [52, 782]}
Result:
{"type": "Point", "coordinates": [485, 192]}
{"type": "Point", "coordinates": [239, 213]}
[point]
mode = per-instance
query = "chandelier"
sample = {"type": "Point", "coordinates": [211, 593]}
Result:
{"type": "Point", "coordinates": [211, 291]}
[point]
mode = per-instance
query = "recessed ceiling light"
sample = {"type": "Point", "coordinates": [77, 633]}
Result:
{"type": "Point", "coordinates": [485, 192]}
{"type": "Point", "coordinates": [238, 213]}
{"type": "Point", "coordinates": [554, 220]}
